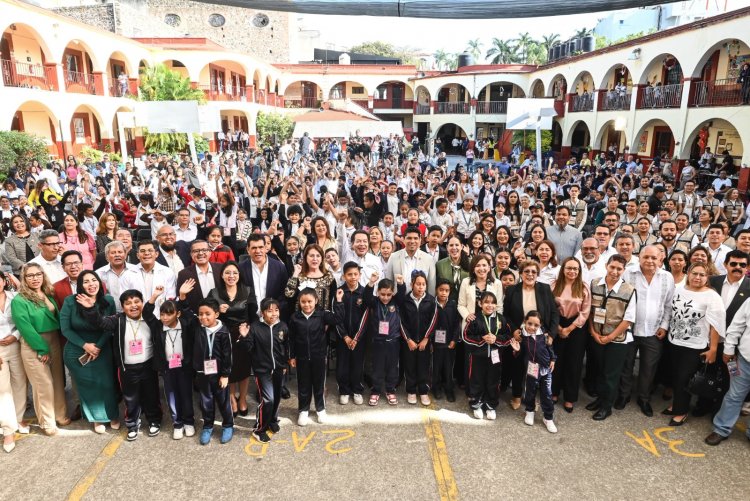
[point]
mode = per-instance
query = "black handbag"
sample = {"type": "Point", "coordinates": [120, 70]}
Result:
{"type": "Point", "coordinates": [706, 383]}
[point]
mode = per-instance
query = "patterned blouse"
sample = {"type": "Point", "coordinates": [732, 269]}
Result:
{"type": "Point", "coordinates": [325, 289]}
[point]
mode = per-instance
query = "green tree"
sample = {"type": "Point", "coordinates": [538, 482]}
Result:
{"type": "Point", "coordinates": [18, 149]}
{"type": "Point", "coordinates": [600, 42]}
{"type": "Point", "coordinates": [441, 59]}
{"type": "Point", "coordinates": [502, 52]}
{"type": "Point", "coordinates": [474, 47]}
{"type": "Point", "coordinates": [159, 83]}
{"type": "Point", "coordinates": [528, 139]}
{"type": "Point", "coordinates": [550, 40]}
{"type": "Point", "coordinates": [385, 49]}
{"type": "Point", "coordinates": [523, 42]}
{"type": "Point", "coordinates": [537, 54]}
{"type": "Point", "coordinates": [273, 127]}
{"type": "Point", "coordinates": [583, 32]}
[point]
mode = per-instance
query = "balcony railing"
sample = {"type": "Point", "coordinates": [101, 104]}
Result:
{"type": "Point", "coordinates": [462, 108]}
{"type": "Point", "coordinates": [422, 109]}
{"type": "Point", "coordinates": [394, 104]}
{"type": "Point", "coordinates": [216, 92]}
{"type": "Point", "coordinates": [583, 102]}
{"type": "Point", "coordinates": [304, 102]}
{"type": "Point", "coordinates": [725, 92]}
{"type": "Point", "coordinates": [260, 97]}
{"type": "Point", "coordinates": [661, 96]}
{"type": "Point", "coordinates": [492, 107]}
{"type": "Point", "coordinates": [83, 83]}
{"type": "Point", "coordinates": [612, 101]}
{"type": "Point", "coordinates": [30, 76]}
{"type": "Point", "coordinates": [117, 90]}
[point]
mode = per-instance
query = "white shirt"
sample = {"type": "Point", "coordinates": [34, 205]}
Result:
{"type": "Point", "coordinates": [174, 262]}
{"type": "Point", "coordinates": [186, 235]}
{"type": "Point", "coordinates": [728, 291]}
{"type": "Point", "coordinates": [717, 256]}
{"type": "Point", "coordinates": [137, 330]}
{"type": "Point", "coordinates": [654, 308]}
{"type": "Point", "coordinates": [595, 272]}
{"type": "Point", "coordinates": [205, 279]}
{"type": "Point", "coordinates": [410, 264]}
{"type": "Point", "coordinates": [173, 341]}
{"type": "Point", "coordinates": [146, 281]}
{"type": "Point", "coordinates": [53, 269]}
{"type": "Point", "coordinates": [7, 326]}
{"type": "Point", "coordinates": [260, 282]}
{"type": "Point", "coordinates": [117, 284]}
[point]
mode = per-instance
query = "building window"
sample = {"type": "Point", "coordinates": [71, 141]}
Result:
{"type": "Point", "coordinates": [338, 92]}
{"type": "Point", "coordinates": [381, 92]}
{"type": "Point", "coordinates": [172, 20]}
{"type": "Point", "coordinates": [80, 130]}
{"type": "Point", "coordinates": [358, 90]}
{"type": "Point", "coordinates": [216, 20]}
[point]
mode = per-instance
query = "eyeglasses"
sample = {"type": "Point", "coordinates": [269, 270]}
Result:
{"type": "Point", "coordinates": [74, 263]}
{"type": "Point", "coordinates": [571, 269]}
{"type": "Point", "coordinates": [34, 275]}
{"type": "Point", "coordinates": [52, 244]}
{"type": "Point", "coordinates": [200, 251]}
{"type": "Point", "coordinates": [734, 264]}
{"type": "Point", "coordinates": [146, 251]}
{"type": "Point", "coordinates": [529, 272]}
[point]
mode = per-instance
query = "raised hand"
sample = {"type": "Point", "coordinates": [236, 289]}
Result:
{"type": "Point", "coordinates": [85, 300]}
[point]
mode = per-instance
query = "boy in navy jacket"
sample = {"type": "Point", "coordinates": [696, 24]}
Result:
{"type": "Point", "coordinates": [444, 338]}
{"type": "Point", "coordinates": [351, 318]}
{"type": "Point", "coordinates": [267, 342]}
{"type": "Point", "coordinates": [385, 329]}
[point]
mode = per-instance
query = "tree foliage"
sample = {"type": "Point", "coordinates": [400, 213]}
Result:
{"type": "Point", "coordinates": [18, 149]}
{"type": "Point", "coordinates": [385, 49]}
{"type": "Point", "coordinates": [159, 83]}
{"type": "Point", "coordinates": [527, 139]}
{"type": "Point", "coordinates": [273, 127]}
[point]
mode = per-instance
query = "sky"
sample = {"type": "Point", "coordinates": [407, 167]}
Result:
{"type": "Point", "coordinates": [451, 35]}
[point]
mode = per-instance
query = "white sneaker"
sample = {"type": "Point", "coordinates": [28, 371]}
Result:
{"type": "Point", "coordinates": [189, 430]}
{"type": "Point", "coordinates": [99, 428]}
{"type": "Point", "coordinates": [23, 430]}
{"type": "Point", "coordinates": [322, 417]}
{"type": "Point", "coordinates": [178, 433]}
{"type": "Point", "coordinates": [745, 411]}
{"type": "Point", "coordinates": [491, 414]}
{"type": "Point", "coordinates": [529, 419]}
{"type": "Point", "coordinates": [550, 425]}
{"type": "Point", "coordinates": [425, 399]}
{"type": "Point", "coordinates": [344, 399]}
{"type": "Point", "coordinates": [303, 420]}
{"type": "Point", "coordinates": [411, 398]}
{"type": "Point", "coordinates": [478, 414]}
{"type": "Point", "coordinates": [358, 400]}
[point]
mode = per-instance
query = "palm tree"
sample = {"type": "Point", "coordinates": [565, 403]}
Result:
{"type": "Point", "coordinates": [550, 40]}
{"type": "Point", "coordinates": [523, 42]}
{"type": "Point", "coordinates": [537, 54]}
{"type": "Point", "coordinates": [583, 32]}
{"type": "Point", "coordinates": [441, 58]}
{"type": "Point", "coordinates": [474, 47]}
{"type": "Point", "coordinates": [502, 52]}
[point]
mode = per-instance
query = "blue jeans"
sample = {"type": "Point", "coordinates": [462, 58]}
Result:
{"type": "Point", "coordinates": [729, 413]}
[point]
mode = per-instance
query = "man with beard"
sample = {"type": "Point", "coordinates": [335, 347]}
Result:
{"type": "Point", "coordinates": [173, 254]}
{"type": "Point", "coordinates": [668, 236]}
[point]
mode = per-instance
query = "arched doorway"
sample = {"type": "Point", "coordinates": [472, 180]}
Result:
{"type": "Point", "coordinates": [654, 138]}
{"type": "Point", "coordinates": [615, 89]}
{"type": "Point", "coordinates": [493, 97]}
{"type": "Point", "coordinates": [715, 78]}
{"type": "Point", "coordinates": [35, 118]}
{"type": "Point", "coordinates": [354, 91]}
{"type": "Point", "coordinates": [721, 138]}
{"type": "Point", "coordinates": [446, 133]}
{"type": "Point", "coordinates": [24, 59]}
{"type": "Point", "coordinates": [557, 136]}
{"type": "Point", "coordinates": [580, 139]}
{"type": "Point", "coordinates": [81, 71]}
{"type": "Point", "coordinates": [85, 129]}
{"type": "Point", "coordinates": [661, 83]}
{"type": "Point", "coordinates": [558, 88]}
{"type": "Point", "coordinates": [302, 94]}
{"type": "Point", "coordinates": [611, 138]}
{"type": "Point", "coordinates": [453, 98]}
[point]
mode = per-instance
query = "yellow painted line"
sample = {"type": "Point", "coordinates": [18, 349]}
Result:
{"type": "Point", "coordinates": [447, 488]}
{"type": "Point", "coordinates": [742, 426]}
{"type": "Point", "coordinates": [85, 483]}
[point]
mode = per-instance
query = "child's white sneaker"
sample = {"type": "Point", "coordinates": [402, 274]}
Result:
{"type": "Point", "coordinates": [425, 399]}
{"type": "Point", "coordinates": [189, 430]}
{"type": "Point", "coordinates": [491, 414]}
{"type": "Point", "coordinates": [412, 398]}
{"type": "Point", "coordinates": [322, 417]}
{"type": "Point", "coordinates": [529, 419]}
{"type": "Point", "coordinates": [358, 400]}
{"type": "Point", "coordinates": [550, 425]}
{"type": "Point", "coordinates": [344, 399]}
{"type": "Point", "coordinates": [178, 433]}
{"type": "Point", "coordinates": [478, 414]}
{"type": "Point", "coordinates": [302, 419]}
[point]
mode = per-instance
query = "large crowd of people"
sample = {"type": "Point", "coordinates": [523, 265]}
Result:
{"type": "Point", "coordinates": [382, 263]}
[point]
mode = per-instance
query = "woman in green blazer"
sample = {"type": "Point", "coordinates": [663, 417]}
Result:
{"type": "Point", "coordinates": [88, 354]}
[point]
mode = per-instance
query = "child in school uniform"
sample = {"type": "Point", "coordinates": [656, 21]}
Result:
{"type": "Point", "coordinates": [308, 346]}
{"type": "Point", "coordinates": [485, 337]}
{"type": "Point", "coordinates": [540, 362]}
{"type": "Point", "coordinates": [267, 342]}
{"type": "Point", "coordinates": [447, 332]}
{"type": "Point", "coordinates": [212, 361]}
{"type": "Point", "coordinates": [418, 318]}
{"type": "Point", "coordinates": [351, 317]}
{"type": "Point", "coordinates": [173, 359]}
{"type": "Point", "coordinates": [385, 329]}
{"type": "Point", "coordinates": [134, 353]}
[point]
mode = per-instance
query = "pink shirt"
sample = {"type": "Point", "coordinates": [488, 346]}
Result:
{"type": "Point", "coordinates": [87, 249]}
{"type": "Point", "coordinates": [570, 307]}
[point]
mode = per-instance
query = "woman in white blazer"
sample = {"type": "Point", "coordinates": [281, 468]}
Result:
{"type": "Point", "coordinates": [480, 280]}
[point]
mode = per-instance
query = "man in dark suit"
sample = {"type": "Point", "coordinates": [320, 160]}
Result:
{"type": "Point", "coordinates": [72, 263]}
{"type": "Point", "coordinates": [265, 277]}
{"type": "Point", "coordinates": [173, 253]}
{"type": "Point", "coordinates": [206, 275]}
{"type": "Point", "coordinates": [121, 235]}
{"type": "Point", "coordinates": [734, 289]}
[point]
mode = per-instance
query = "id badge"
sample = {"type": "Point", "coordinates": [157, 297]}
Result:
{"type": "Point", "coordinates": [440, 336]}
{"type": "Point", "coordinates": [135, 347]}
{"type": "Point", "coordinates": [210, 367]}
{"type": "Point", "coordinates": [733, 368]}
{"type": "Point", "coordinates": [227, 232]}
{"type": "Point", "coordinates": [600, 315]}
{"type": "Point", "coordinates": [383, 328]}
{"type": "Point", "coordinates": [495, 356]}
{"type": "Point", "coordinates": [175, 361]}
{"type": "Point", "coordinates": [532, 370]}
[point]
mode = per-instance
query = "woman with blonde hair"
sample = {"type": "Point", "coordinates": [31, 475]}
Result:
{"type": "Point", "coordinates": [35, 314]}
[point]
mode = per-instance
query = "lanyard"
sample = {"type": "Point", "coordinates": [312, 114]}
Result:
{"type": "Point", "coordinates": [384, 311]}
{"type": "Point", "coordinates": [135, 330]}
{"type": "Point", "coordinates": [487, 323]}
{"type": "Point", "coordinates": [172, 340]}
{"type": "Point", "coordinates": [210, 343]}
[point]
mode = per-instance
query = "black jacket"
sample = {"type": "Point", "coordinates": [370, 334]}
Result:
{"type": "Point", "coordinates": [477, 328]}
{"type": "Point", "coordinates": [387, 313]}
{"type": "Point", "coordinates": [307, 336]}
{"type": "Point", "coordinates": [545, 305]}
{"type": "Point", "coordinates": [351, 314]}
{"type": "Point", "coordinates": [187, 322]}
{"type": "Point", "coordinates": [418, 322]}
{"type": "Point", "coordinates": [267, 345]}
{"type": "Point", "coordinates": [448, 320]}
{"type": "Point", "coordinates": [742, 295]}
{"type": "Point", "coordinates": [221, 352]}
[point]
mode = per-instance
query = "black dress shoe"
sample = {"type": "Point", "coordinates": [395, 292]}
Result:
{"type": "Point", "coordinates": [285, 393]}
{"type": "Point", "coordinates": [621, 402]}
{"type": "Point", "coordinates": [450, 396]}
{"type": "Point", "coordinates": [76, 414]}
{"type": "Point", "coordinates": [601, 414]}
{"type": "Point", "coordinates": [714, 439]}
{"type": "Point", "coordinates": [592, 391]}
{"type": "Point", "coordinates": [243, 412]}
{"type": "Point", "coordinates": [667, 412]}
{"type": "Point", "coordinates": [674, 422]}
{"type": "Point", "coordinates": [645, 408]}
{"type": "Point", "coordinates": [437, 394]}
{"type": "Point", "coordinates": [594, 405]}
{"type": "Point", "coordinates": [568, 409]}
{"type": "Point", "coordinates": [700, 411]}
